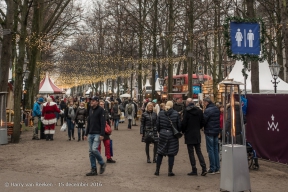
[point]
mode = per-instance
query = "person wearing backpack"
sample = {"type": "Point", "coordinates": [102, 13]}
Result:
{"type": "Point", "coordinates": [70, 115]}
{"type": "Point", "coordinates": [116, 113]}
{"type": "Point", "coordinates": [129, 113]}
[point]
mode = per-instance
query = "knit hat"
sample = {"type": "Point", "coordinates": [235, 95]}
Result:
{"type": "Point", "coordinates": [40, 100]}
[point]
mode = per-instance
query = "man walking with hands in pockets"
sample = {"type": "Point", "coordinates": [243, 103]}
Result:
{"type": "Point", "coordinates": [95, 131]}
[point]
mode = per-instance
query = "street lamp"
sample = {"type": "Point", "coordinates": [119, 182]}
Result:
{"type": "Point", "coordinates": [274, 69]}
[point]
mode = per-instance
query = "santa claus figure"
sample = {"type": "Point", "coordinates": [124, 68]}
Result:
{"type": "Point", "coordinates": [49, 118]}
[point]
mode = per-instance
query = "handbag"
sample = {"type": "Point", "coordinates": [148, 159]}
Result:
{"type": "Point", "coordinates": [149, 135]}
{"type": "Point", "coordinates": [108, 129]}
{"type": "Point", "coordinates": [63, 127]}
{"type": "Point", "coordinates": [176, 133]}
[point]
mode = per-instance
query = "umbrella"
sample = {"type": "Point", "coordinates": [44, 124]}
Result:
{"type": "Point", "coordinates": [125, 95]}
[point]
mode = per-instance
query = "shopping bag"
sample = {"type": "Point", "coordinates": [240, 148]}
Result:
{"type": "Point", "coordinates": [111, 147]}
{"type": "Point", "coordinates": [64, 127]}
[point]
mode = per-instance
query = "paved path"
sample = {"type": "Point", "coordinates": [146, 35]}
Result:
{"type": "Point", "coordinates": [61, 165]}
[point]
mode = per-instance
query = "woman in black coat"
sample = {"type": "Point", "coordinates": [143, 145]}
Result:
{"type": "Point", "coordinates": [80, 120]}
{"type": "Point", "coordinates": [168, 143]}
{"type": "Point", "coordinates": [148, 130]}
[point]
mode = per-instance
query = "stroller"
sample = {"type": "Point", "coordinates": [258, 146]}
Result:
{"type": "Point", "coordinates": [252, 157]}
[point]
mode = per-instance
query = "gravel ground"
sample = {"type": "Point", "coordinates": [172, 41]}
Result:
{"type": "Point", "coordinates": [61, 165]}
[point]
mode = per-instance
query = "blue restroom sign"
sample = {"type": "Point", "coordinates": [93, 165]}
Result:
{"type": "Point", "coordinates": [245, 38]}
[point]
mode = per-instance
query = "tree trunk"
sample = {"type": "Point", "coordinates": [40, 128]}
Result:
{"type": "Point", "coordinates": [155, 19]}
{"type": "Point", "coordinates": [254, 64]}
{"type": "Point", "coordinates": [170, 51]}
{"type": "Point", "coordinates": [6, 52]}
{"type": "Point", "coordinates": [284, 15]}
{"type": "Point", "coordinates": [190, 60]}
{"type": "Point", "coordinates": [19, 73]}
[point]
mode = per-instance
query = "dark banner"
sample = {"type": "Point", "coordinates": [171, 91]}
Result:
{"type": "Point", "coordinates": [267, 126]}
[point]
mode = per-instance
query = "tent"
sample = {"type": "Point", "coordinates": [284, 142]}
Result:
{"type": "Point", "coordinates": [48, 87]}
{"type": "Point", "coordinates": [265, 77]}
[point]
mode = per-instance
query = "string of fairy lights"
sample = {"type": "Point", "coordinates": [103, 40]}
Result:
{"type": "Point", "coordinates": [94, 67]}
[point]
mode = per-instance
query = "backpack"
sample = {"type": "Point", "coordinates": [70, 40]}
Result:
{"type": "Point", "coordinates": [129, 109]}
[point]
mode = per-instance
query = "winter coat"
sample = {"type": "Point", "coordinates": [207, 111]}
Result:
{"type": "Point", "coordinates": [48, 113]}
{"type": "Point", "coordinates": [36, 110]}
{"type": "Point", "coordinates": [106, 114]}
{"type": "Point", "coordinates": [81, 114]}
{"type": "Point", "coordinates": [178, 107]}
{"type": "Point", "coordinates": [221, 120]}
{"type": "Point", "coordinates": [148, 121]}
{"type": "Point", "coordinates": [211, 120]}
{"type": "Point", "coordinates": [68, 111]}
{"type": "Point", "coordinates": [129, 116]}
{"type": "Point", "coordinates": [96, 121]}
{"type": "Point", "coordinates": [114, 111]}
{"type": "Point", "coordinates": [192, 123]}
{"type": "Point", "coordinates": [136, 109]}
{"type": "Point", "coordinates": [168, 144]}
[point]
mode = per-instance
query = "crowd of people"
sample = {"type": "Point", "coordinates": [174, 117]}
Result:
{"type": "Point", "coordinates": [159, 121]}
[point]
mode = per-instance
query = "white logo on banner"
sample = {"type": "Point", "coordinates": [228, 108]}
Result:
{"type": "Point", "coordinates": [273, 126]}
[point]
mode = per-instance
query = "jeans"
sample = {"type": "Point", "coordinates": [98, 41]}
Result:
{"type": "Point", "coordinates": [70, 125]}
{"type": "Point", "coordinates": [79, 133]}
{"type": "Point", "coordinates": [197, 147]}
{"type": "Point", "coordinates": [212, 149]}
{"type": "Point", "coordinates": [94, 141]}
{"type": "Point", "coordinates": [116, 123]}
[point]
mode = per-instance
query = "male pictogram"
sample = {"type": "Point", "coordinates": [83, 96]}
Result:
{"type": "Point", "coordinates": [250, 37]}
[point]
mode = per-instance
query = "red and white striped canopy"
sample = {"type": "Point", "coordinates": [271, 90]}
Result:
{"type": "Point", "coordinates": [47, 86]}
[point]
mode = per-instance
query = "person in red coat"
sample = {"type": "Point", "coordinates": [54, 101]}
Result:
{"type": "Point", "coordinates": [49, 118]}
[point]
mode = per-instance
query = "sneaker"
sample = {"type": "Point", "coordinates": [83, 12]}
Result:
{"type": "Point", "coordinates": [102, 168]}
{"type": "Point", "coordinates": [92, 172]}
{"type": "Point", "coordinates": [211, 172]}
{"type": "Point", "coordinates": [204, 173]}
{"type": "Point", "coordinates": [110, 161]}
{"type": "Point", "coordinates": [218, 172]}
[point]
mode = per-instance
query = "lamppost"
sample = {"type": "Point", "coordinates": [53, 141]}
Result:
{"type": "Point", "coordinates": [274, 69]}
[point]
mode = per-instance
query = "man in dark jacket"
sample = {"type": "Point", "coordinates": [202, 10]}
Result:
{"type": "Point", "coordinates": [178, 106]}
{"type": "Point", "coordinates": [192, 123]}
{"type": "Point", "coordinates": [62, 108]}
{"type": "Point", "coordinates": [212, 130]}
{"type": "Point", "coordinates": [95, 131]}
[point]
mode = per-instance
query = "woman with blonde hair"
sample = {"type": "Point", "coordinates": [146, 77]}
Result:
{"type": "Point", "coordinates": [168, 143]}
{"type": "Point", "coordinates": [148, 130]}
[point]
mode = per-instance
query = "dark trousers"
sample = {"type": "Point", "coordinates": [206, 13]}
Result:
{"type": "Point", "coordinates": [129, 123]}
{"type": "Point", "coordinates": [171, 159]}
{"type": "Point", "coordinates": [197, 147]}
{"type": "Point", "coordinates": [154, 150]}
{"type": "Point", "coordinates": [62, 118]}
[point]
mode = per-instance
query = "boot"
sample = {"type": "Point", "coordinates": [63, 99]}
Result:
{"type": "Point", "coordinates": [92, 172]}
{"type": "Point", "coordinates": [194, 171]}
{"type": "Point", "coordinates": [51, 137]}
{"type": "Point", "coordinates": [147, 152]}
{"type": "Point", "coordinates": [47, 137]}
{"type": "Point", "coordinates": [157, 169]}
{"type": "Point", "coordinates": [170, 173]}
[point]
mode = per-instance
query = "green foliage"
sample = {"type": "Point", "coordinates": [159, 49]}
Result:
{"type": "Point", "coordinates": [245, 57]}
